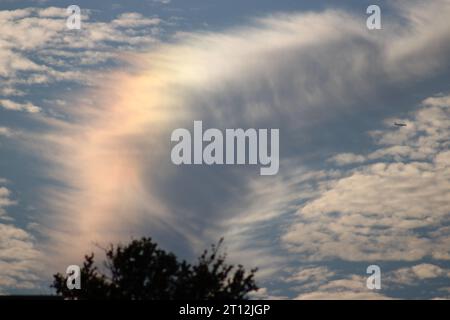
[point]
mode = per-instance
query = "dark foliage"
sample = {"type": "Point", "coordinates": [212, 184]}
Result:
{"type": "Point", "coordinates": [142, 271]}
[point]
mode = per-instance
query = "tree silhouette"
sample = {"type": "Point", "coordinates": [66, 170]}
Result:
{"type": "Point", "coordinates": [142, 271]}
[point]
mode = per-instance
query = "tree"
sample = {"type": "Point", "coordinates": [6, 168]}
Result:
{"type": "Point", "coordinates": [142, 271]}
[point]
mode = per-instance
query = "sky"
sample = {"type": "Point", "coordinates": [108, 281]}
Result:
{"type": "Point", "coordinates": [86, 118]}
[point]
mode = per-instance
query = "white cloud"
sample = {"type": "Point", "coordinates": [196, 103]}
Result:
{"type": "Point", "coordinates": [133, 19]}
{"type": "Point", "coordinates": [310, 278]}
{"type": "Point", "coordinates": [351, 288]}
{"type": "Point", "coordinates": [347, 158]}
{"type": "Point", "coordinates": [19, 259]}
{"type": "Point", "coordinates": [289, 70]}
{"type": "Point", "coordinates": [4, 131]}
{"type": "Point", "coordinates": [13, 62]}
{"type": "Point", "coordinates": [54, 12]}
{"type": "Point", "coordinates": [263, 294]}
{"type": "Point", "coordinates": [416, 274]}
{"type": "Point", "coordinates": [376, 211]}
{"type": "Point", "coordinates": [37, 48]}
{"type": "Point", "coordinates": [311, 274]}
{"type": "Point", "coordinates": [441, 101]}
{"type": "Point", "coordinates": [5, 200]}
{"type": "Point", "coordinates": [9, 91]}
{"type": "Point", "coordinates": [161, 1]}
{"type": "Point", "coordinates": [26, 107]}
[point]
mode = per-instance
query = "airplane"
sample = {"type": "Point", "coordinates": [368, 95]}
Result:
{"type": "Point", "coordinates": [400, 124]}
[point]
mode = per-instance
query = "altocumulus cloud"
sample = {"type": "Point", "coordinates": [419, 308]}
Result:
{"type": "Point", "coordinates": [376, 210]}
{"type": "Point", "coordinates": [36, 48]}
{"type": "Point", "coordinates": [391, 205]}
{"type": "Point", "coordinates": [19, 258]}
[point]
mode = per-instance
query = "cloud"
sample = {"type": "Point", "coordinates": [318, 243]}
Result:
{"type": "Point", "coordinates": [36, 48]}
{"type": "Point", "coordinates": [19, 258]}
{"type": "Point", "coordinates": [263, 294]}
{"type": "Point", "coordinates": [314, 273]}
{"type": "Point", "coordinates": [5, 199]}
{"type": "Point", "coordinates": [351, 288]}
{"type": "Point", "coordinates": [321, 283]}
{"type": "Point", "coordinates": [8, 91]}
{"type": "Point", "coordinates": [26, 107]}
{"type": "Point", "coordinates": [161, 1]}
{"type": "Point", "coordinates": [347, 158]}
{"type": "Point", "coordinates": [133, 19]}
{"type": "Point", "coordinates": [110, 153]}
{"type": "Point", "coordinates": [235, 79]}
{"type": "Point", "coordinates": [416, 274]}
{"type": "Point", "coordinates": [5, 132]}
{"type": "Point", "coordinates": [377, 211]}
{"type": "Point", "coordinates": [54, 12]}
